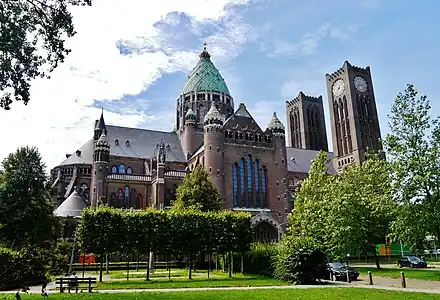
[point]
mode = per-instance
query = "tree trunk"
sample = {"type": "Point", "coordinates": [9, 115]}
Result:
{"type": "Point", "coordinates": [230, 264]}
{"type": "Point", "coordinates": [169, 268]}
{"type": "Point", "coordinates": [216, 262]}
{"type": "Point", "coordinates": [224, 263]}
{"type": "Point", "coordinates": [101, 267]}
{"type": "Point", "coordinates": [190, 268]}
{"type": "Point", "coordinates": [148, 265]}
{"type": "Point", "coordinates": [137, 262]}
{"type": "Point", "coordinates": [242, 264]}
{"type": "Point", "coordinates": [128, 266]}
{"type": "Point", "coordinates": [209, 262]}
{"type": "Point", "coordinates": [376, 258]}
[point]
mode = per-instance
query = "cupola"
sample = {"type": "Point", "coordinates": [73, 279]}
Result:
{"type": "Point", "coordinates": [275, 126]}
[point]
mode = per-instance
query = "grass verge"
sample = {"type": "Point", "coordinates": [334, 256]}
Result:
{"type": "Point", "coordinates": [409, 273]}
{"type": "Point", "coordinates": [268, 294]}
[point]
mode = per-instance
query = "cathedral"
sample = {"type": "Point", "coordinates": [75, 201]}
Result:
{"type": "Point", "coordinates": [255, 169]}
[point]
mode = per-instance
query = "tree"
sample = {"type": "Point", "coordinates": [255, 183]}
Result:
{"type": "Point", "coordinates": [26, 213]}
{"type": "Point", "coordinates": [345, 212]}
{"type": "Point", "coordinates": [32, 37]}
{"type": "Point", "coordinates": [413, 147]}
{"type": "Point", "coordinates": [198, 192]}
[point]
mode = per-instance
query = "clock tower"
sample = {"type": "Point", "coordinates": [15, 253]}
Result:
{"type": "Point", "coordinates": [353, 114]}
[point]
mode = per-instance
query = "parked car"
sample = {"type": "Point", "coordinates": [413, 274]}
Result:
{"type": "Point", "coordinates": [337, 271]}
{"type": "Point", "coordinates": [412, 262]}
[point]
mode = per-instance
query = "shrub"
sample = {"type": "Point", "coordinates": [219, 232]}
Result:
{"type": "Point", "coordinates": [299, 260]}
{"type": "Point", "coordinates": [9, 266]}
{"type": "Point", "coordinates": [60, 258]}
{"type": "Point", "coordinates": [260, 259]}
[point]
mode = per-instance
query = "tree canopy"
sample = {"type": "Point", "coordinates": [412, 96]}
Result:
{"type": "Point", "coordinates": [32, 38]}
{"type": "Point", "coordinates": [413, 148]}
{"type": "Point", "coordinates": [347, 212]}
{"type": "Point", "coordinates": [198, 192]}
{"type": "Point", "coordinates": [26, 213]}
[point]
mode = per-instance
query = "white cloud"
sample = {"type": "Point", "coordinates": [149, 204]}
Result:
{"type": "Point", "coordinates": [309, 43]}
{"type": "Point", "coordinates": [95, 70]}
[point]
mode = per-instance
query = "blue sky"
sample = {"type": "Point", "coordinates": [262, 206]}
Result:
{"type": "Point", "coordinates": [132, 58]}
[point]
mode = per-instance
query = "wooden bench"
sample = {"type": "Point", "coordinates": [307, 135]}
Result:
{"type": "Point", "coordinates": [75, 283]}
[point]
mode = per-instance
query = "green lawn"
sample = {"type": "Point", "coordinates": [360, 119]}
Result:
{"type": "Point", "coordinates": [268, 294]}
{"type": "Point", "coordinates": [409, 273]}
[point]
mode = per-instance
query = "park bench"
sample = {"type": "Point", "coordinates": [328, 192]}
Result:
{"type": "Point", "coordinates": [64, 283]}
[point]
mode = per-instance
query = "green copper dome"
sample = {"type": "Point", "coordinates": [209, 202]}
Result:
{"type": "Point", "coordinates": [205, 77]}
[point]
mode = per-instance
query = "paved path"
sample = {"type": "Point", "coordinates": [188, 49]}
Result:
{"type": "Point", "coordinates": [432, 267]}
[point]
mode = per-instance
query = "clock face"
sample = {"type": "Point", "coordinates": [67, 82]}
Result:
{"type": "Point", "coordinates": [360, 84]}
{"type": "Point", "coordinates": [338, 87]}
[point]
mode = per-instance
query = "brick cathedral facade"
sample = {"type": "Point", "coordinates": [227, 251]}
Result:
{"type": "Point", "coordinates": [252, 167]}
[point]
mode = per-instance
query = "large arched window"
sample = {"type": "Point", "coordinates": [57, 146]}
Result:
{"type": "Point", "coordinates": [139, 201]}
{"type": "Point", "coordinates": [242, 181]}
{"type": "Point", "coordinates": [113, 200]}
{"type": "Point", "coordinates": [132, 201]}
{"type": "Point", "coordinates": [264, 185]}
{"type": "Point", "coordinates": [121, 169]}
{"type": "Point", "coordinates": [114, 170]}
{"type": "Point", "coordinates": [250, 196]}
{"type": "Point", "coordinates": [235, 183]}
{"type": "Point", "coordinates": [257, 183]}
{"type": "Point", "coordinates": [120, 198]}
{"type": "Point", "coordinates": [126, 197]}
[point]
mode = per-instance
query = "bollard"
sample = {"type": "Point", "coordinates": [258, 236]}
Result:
{"type": "Point", "coordinates": [370, 277]}
{"type": "Point", "coordinates": [348, 277]}
{"type": "Point", "coordinates": [403, 280]}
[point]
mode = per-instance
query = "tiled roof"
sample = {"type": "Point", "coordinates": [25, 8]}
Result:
{"type": "Point", "coordinates": [300, 160]}
{"type": "Point", "coordinates": [71, 207]}
{"type": "Point", "coordinates": [141, 144]}
{"type": "Point", "coordinates": [205, 77]}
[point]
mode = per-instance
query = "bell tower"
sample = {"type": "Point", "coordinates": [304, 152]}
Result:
{"type": "Point", "coordinates": [353, 114]}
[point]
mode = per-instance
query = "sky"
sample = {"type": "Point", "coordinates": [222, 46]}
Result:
{"type": "Point", "coordinates": [131, 57]}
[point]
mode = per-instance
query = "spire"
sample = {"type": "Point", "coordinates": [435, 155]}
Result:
{"type": "Point", "coordinates": [190, 115]}
{"type": "Point", "coordinates": [275, 125]}
{"type": "Point", "coordinates": [214, 114]}
{"type": "Point", "coordinates": [205, 53]}
{"type": "Point", "coordinates": [101, 123]}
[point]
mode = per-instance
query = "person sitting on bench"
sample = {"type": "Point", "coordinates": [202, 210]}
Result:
{"type": "Point", "coordinates": [73, 282]}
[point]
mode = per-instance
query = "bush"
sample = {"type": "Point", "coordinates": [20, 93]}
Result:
{"type": "Point", "coordinates": [9, 266]}
{"type": "Point", "coordinates": [60, 258]}
{"type": "Point", "coordinates": [299, 260]}
{"type": "Point", "coordinates": [260, 259]}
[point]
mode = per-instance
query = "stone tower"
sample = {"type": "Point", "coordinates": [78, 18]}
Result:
{"type": "Point", "coordinates": [203, 88]}
{"type": "Point", "coordinates": [278, 175]}
{"type": "Point", "coordinates": [101, 155]}
{"type": "Point", "coordinates": [306, 123]}
{"type": "Point", "coordinates": [190, 144]}
{"type": "Point", "coordinates": [214, 144]}
{"type": "Point", "coordinates": [353, 114]}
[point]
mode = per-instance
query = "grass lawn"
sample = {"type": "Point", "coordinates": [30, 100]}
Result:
{"type": "Point", "coordinates": [297, 294]}
{"type": "Point", "coordinates": [409, 273]}
{"type": "Point", "coordinates": [179, 279]}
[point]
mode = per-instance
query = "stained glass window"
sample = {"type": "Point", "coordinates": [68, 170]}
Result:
{"type": "Point", "coordinates": [129, 170]}
{"type": "Point", "coordinates": [235, 183]}
{"type": "Point", "coordinates": [242, 175]}
{"type": "Point", "coordinates": [114, 170]}
{"type": "Point", "coordinates": [126, 197]}
{"type": "Point", "coordinates": [121, 169]}
{"type": "Point", "coordinates": [264, 185]}
{"type": "Point", "coordinates": [120, 198]}
{"type": "Point", "coordinates": [250, 198]}
{"type": "Point", "coordinates": [257, 183]}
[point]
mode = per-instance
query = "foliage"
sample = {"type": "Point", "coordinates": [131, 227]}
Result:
{"type": "Point", "coordinates": [32, 36]}
{"type": "Point", "coordinates": [413, 147]}
{"type": "Point", "coordinates": [59, 259]}
{"type": "Point", "coordinates": [345, 212]}
{"type": "Point", "coordinates": [299, 260]}
{"type": "Point", "coordinates": [260, 259]}
{"type": "Point", "coordinates": [9, 264]}
{"type": "Point", "coordinates": [197, 192]}
{"type": "Point", "coordinates": [26, 213]}
{"type": "Point", "coordinates": [181, 232]}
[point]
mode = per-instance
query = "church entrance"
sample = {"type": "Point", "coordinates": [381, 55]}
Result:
{"type": "Point", "coordinates": [265, 233]}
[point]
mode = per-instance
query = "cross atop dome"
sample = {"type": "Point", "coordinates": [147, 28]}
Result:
{"type": "Point", "coordinates": [205, 53]}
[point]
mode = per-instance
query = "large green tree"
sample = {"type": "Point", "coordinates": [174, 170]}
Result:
{"type": "Point", "coordinates": [26, 213]}
{"type": "Point", "coordinates": [197, 192]}
{"type": "Point", "coordinates": [348, 212]}
{"type": "Point", "coordinates": [413, 148]}
{"type": "Point", "coordinates": [32, 37]}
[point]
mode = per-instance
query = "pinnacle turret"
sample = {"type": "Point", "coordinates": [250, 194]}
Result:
{"type": "Point", "coordinates": [275, 125]}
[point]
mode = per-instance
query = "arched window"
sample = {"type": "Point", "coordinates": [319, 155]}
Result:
{"type": "Point", "coordinates": [201, 112]}
{"type": "Point", "coordinates": [264, 185]}
{"type": "Point", "coordinates": [257, 183]}
{"type": "Point", "coordinates": [114, 170]}
{"type": "Point", "coordinates": [242, 186]}
{"type": "Point", "coordinates": [113, 200]}
{"type": "Point", "coordinates": [235, 183]}
{"type": "Point", "coordinates": [121, 169]}
{"type": "Point", "coordinates": [139, 201]}
{"type": "Point", "coordinates": [126, 197]}
{"type": "Point", "coordinates": [250, 196]}
{"type": "Point", "coordinates": [120, 198]}
{"type": "Point", "coordinates": [129, 171]}
{"type": "Point", "coordinates": [133, 202]}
